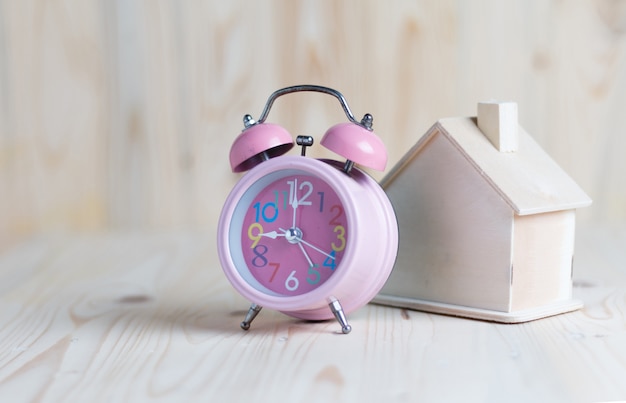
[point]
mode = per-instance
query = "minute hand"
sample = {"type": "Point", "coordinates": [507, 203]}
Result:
{"type": "Point", "coordinates": [317, 249]}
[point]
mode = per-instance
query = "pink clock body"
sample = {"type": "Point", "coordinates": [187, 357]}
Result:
{"type": "Point", "coordinates": [310, 238]}
{"type": "Point", "coordinates": [297, 233]}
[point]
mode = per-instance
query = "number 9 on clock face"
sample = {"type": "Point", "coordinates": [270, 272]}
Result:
{"type": "Point", "coordinates": [292, 231]}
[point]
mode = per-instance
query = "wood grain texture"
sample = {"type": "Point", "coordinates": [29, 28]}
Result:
{"type": "Point", "coordinates": [132, 317]}
{"type": "Point", "coordinates": [119, 114]}
{"type": "Point", "coordinates": [52, 117]}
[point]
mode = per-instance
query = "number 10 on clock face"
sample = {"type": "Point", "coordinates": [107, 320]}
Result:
{"type": "Point", "coordinates": [294, 233]}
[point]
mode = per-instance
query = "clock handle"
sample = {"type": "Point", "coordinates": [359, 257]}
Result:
{"type": "Point", "coordinates": [366, 122]}
{"type": "Point", "coordinates": [354, 140]}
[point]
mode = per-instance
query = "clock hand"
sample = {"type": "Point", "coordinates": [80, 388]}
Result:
{"type": "Point", "coordinates": [316, 248]}
{"type": "Point", "coordinates": [297, 238]}
{"type": "Point", "coordinates": [271, 234]}
{"type": "Point", "coordinates": [294, 203]}
{"type": "Point", "coordinates": [306, 255]}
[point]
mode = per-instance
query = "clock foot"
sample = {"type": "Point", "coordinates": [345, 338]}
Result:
{"type": "Point", "coordinates": [337, 310]}
{"type": "Point", "coordinates": [252, 313]}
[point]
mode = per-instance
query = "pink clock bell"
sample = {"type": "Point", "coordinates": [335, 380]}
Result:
{"type": "Point", "coordinates": [314, 239]}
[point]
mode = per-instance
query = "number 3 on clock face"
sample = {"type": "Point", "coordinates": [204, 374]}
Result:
{"type": "Point", "coordinates": [293, 233]}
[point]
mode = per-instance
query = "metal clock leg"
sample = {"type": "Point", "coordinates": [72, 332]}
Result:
{"type": "Point", "coordinates": [252, 313]}
{"type": "Point", "coordinates": [337, 310]}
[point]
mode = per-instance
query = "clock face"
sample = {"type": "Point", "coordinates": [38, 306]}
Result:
{"type": "Point", "coordinates": [289, 233]}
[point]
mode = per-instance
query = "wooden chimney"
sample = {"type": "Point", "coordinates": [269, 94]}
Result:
{"type": "Point", "coordinates": [498, 121]}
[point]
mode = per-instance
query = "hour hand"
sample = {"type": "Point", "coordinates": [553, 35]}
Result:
{"type": "Point", "coordinates": [272, 234]}
{"type": "Point", "coordinates": [294, 205]}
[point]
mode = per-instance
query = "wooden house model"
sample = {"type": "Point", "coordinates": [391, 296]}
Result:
{"type": "Point", "coordinates": [486, 222]}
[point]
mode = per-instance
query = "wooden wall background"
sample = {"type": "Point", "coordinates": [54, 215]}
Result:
{"type": "Point", "coordinates": [119, 114]}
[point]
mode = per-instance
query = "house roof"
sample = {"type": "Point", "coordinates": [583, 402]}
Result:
{"type": "Point", "coordinates": [529, 180]}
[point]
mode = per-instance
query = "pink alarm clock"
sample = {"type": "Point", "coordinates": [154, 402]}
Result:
{"type": "Point", "coordinates": [314, 239]}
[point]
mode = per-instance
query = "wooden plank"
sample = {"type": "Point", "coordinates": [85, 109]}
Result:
{"type": "Point", "coordinates": [464, 311]}
{"type": "Point", "coordinates": [129, 316]}
{"type": "Point", "coordinates": [53, 116]}
{"type": "Point", "coordinates": [75, 82]}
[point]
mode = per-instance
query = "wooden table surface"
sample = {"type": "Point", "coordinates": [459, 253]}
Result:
{"type": "Point", "coordinates": [137, 317]}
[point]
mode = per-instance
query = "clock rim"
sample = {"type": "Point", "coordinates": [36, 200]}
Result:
{"type": "Point", "coordinates": [319, 296]}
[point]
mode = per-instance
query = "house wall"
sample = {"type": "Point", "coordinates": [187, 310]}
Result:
{"type": "Point", "coordinates": [456, 226]}
{"type": "Point", "coordinates": [543, 249]}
